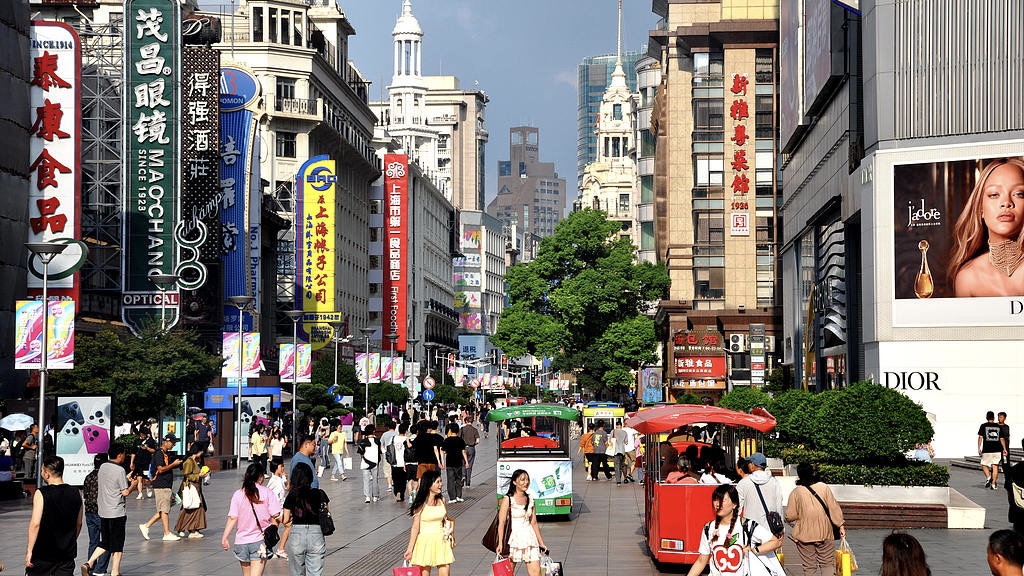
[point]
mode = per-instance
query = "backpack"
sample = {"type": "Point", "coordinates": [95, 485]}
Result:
{"type": "Point", "coordinates": [389, 455]}
{"type": "Point", "coordinates": [410, 452]}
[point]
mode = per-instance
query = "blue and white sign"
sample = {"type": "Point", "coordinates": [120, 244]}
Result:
{"type": "Point", "coordinates": [428, 395]}
{"type": "Point", "coordinates": [238, 88]}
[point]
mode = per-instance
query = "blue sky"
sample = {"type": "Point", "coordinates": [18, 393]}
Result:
{"type": "Point", "coordinates": [523, 53]}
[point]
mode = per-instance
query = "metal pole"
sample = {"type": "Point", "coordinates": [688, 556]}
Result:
{"type": "Point", "coordinates": [366, 384]}
{"type": "Point", "coordinates": [42, 375]}
{"type": "Point", "coordinates": [241, 374]}
{"type": "Point", "coordinates": [295, 376]}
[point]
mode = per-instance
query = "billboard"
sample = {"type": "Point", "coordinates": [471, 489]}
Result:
{"type": "Point", "coordinates": [82, 431]}
{"type": "Point", "coordinates": [650, 380]}
{"type": "Point", "coordinates": [741, 187]}
{"type": "Point", "coordinates": [790, 69]}
{"type": "Point", "coordinates": [28, 337]}
{"type": "Point", "coordinates": [956, 242]}
{"type": "Point", "coordinates": [250, 349]}
{"type": "Point", "coordinates": [286, 363]}
{"type": "Point", "coordinates": [396, 234]}
{"type": "Point", "coordinates": [316, 185]}
{"type": "Point", "coordinates": [152, 162]}
{"type": "Point", "coordinates": [54, 147]}
{"type": "Point", "coordinates": [368, 363]}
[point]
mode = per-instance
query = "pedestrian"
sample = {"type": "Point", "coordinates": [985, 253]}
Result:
{"type": "Point", "coordinates": [369, 451]}
{"type": "Point", "coordinates": [619, 439]}
{"type": "Point", "coordinates": [712, 472]}
{"type": "Point", "coordinates": [759, 492]}
{"type": "Point", "coordinates": [991, 448]}
{"type": "Point", "coordinates": [734, 542]}
{"type": "Point", "coordinates": [55, 524]}
{"type": "Point", "coordinates": [192, 521]}
{"type": "Point", "coordinates": [385, 440]}
{"type": "Point", "coordinates": [1014, 484]}
{"type": "Point", "coordinates": [162, 483]}
{"type": "Point", "coordinates": [253, 508]}
{"type": "Point", "coordinates": [204, 437]}
{"type": "Point", "coordinates": [586, 447]}
{"type": "Point", "coordinates": [90, 493]}
{"type": "Point", "coordinates": [306, 545]}
{"type": "Point", "coordinates": [278, 484]}
{"type": "Point", "coordinates": [631, 445]}
{"type": "Point", "coordinates": [427, 546]}
{"type": "Point", "coordinates": [141, 460]}
{"type": "Point", "coordinates": [525, 542]}
{"type": "Point", "coordinates": [902, 555]}
{"type": "Point", "coordinates": [813, 511]}
{"type": "Point", "coordinates": [483, 419]}
{"type": "Point", "coordinates": [399, 479]}
{"type": "Point", "coordinates": [455, 463]}
{"type": "Point", "coordinates": [1005, 553]}
{"type": "Point", "coordinates": [428, 448]}
{"type": "Point", "coordinates": [600, 462]}
{"type": "Point", "coordinates": [30, 451]}
{"type": "Point", "coordinates": [111, 491]}
{"type": "Point", "coordinates": [258, 447]}
{"type": "Point", "coordinates": [411, 462]}
{"type": "Point", "coordinates": [306, 446]}
{"type": "Point", "coordinates": [323, 449]}
{"type": "Point", "coordinates": [471, 436]}
{"type": "Point", "coordinates": [277, 444]}
{"type": "Point", "coordinates": [339, 449]}
{"type": "Point", "coordinates": [1004, 435]}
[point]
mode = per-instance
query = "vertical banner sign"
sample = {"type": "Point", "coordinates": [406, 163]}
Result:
{"type": "Point", "coordinates": [82, 431]}
{"type": "Point", "coordinates": [315, 252]}
{"type": "Point", "coordinates": [739, 111]}
{"type": "Point", "coordinates": [757, 354]}
{"type": "Point", "coordinates": [239, 91]}
{"type": "Point", "coordinates": [151, 156]}
{"type": "Point", "coordinates": [60, 335]}
{"type": "Point", "coordinates": [54, 210]}
{"type": "Point", "coordinates": [250, 355]}
{"type": "Point", "coordinates": [286, 363]}
{"type": "Point", "coordinates": [396, 248]}
{"type": "Point", "coordinates": [368, 364]}
{"type": "Point", "coordinates": [197, 234]}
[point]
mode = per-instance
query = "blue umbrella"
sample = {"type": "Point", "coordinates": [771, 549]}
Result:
{"type": "Point", "coordinates": [17, 421]}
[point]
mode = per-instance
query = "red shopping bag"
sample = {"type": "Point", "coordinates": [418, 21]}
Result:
{"type": "Point", "coordinates": [406, 570]}
{"type": "Point", "coordinates": [501, 567]}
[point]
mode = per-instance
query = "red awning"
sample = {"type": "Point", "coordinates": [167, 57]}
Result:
{"type": "Point", "coordinates": [669, 417]}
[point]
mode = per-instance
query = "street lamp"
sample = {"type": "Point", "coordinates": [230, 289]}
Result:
{"type": "Point", "coordinates": [338, 326]}
{"type": "Point", "coordinates": [164, 282]}
{"type": "Point", "coordinates": [240, 302]}
{"type": "Point", "coordinates": [410, 348]}
{"type": "Point", "coordinates": [392, 336]}
{"type": "Point", "coordinates": [45, 251]}
{"type": "Point", "coordinates": [367, 332]}
{"type": "Point", "coordinates": [428, 349]}
{"type": "Point", "coordinates": [294, 316]}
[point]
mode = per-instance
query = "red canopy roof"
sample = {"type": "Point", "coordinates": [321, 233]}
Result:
{"type": "Point", "coordinates": [669, 417]}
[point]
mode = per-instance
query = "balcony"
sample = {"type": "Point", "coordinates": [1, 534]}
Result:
{"type": "Point", "coordinates": [299, 107]}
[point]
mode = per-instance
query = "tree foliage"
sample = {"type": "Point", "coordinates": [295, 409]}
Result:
{"type": "Point", "coordinates": [583, 301]}
{"type": "Point", "coordinates": [144, 375]}
{"type": "Point", "coordinates": [744, 399]}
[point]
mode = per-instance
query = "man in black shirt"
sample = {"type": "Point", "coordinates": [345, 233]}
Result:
{"type": "Point", "coordinates": [163, 480]}
{"type": "Point", "coordinates": [991, 447]}
{"type": "Point", "coordinates": [55, 525]}
{"type": "Point", "coordinates": [145, 447]}
{"type": "Point", "coordinates": [428, 448]}
{"type": "Point", "coordinates": [455, 461]}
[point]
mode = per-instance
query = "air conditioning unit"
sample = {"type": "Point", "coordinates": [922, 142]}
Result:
{"type": "Point", "coordinates": [769, 344]}
{"type": "Point", "coordinates": [737, 343]}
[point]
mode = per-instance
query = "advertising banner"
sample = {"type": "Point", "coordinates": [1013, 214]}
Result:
{"type": "Point", "coordinates": [152, 161]}
{"type": "Point", "coordinates": [549, 480]}
{"type": "Point", "coordinates": [316, 184]}
{"type": "Point", "coordinates": [393, 369]}
{"type": "Point", "coordinates": [396, 234]}
{"type": "Point", "coordinates": [60, 335]}
{"type": "Point", "coordinates": [286, 364]}
{"type": "Point", "coordinates": [54, 146]}
{"type": "Point", "coordinates": [82, 431]}
{"type": "Point", "coordinates": [700, 366]}
{"type": "Point", "coordinates": [255, 409]}
{"type": "Point", "coordinates": [250, 351]}
{"type": "Point", "coordinates": [741, 187]}
{"type": "Point", "coordinates": [956, 233]}
{"type": "Point", "coordinates": [650, 379]}
{"type": "Point", "coordinates": [368, 364]}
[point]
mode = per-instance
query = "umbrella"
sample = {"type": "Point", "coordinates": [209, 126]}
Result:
{"type": "Point", "coordinates": [199, 416]}
{"type": "Point", "coordinates": [17, 421]}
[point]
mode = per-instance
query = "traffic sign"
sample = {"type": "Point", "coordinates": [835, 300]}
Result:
{"type": "Point", "coordinates": [428, 383]}
{"type": "Point", "coordinates": [428, 395]}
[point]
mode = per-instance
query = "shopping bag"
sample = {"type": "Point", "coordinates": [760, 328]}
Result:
{"type": "Point", "coordinates": [845, 557]}
{"type": "Point", "coordinates": [190, 499]}
{"type": "Point", "coordinates": [549, 567]}
{"type": "Point", "coordinates": [346, 462]}
{"type": "Point", "coordinates": [405, 570]}
{"type": "Point", "coordinates": [502, 566]}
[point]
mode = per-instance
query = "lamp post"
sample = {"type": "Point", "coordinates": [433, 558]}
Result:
{"type": "Point", "coordinates": [410, 348]}
{"type": "Point", "coordinates": [45, 251]}
{"type": "Point", "coordinates": [392, 336]}
{"type": "Point", "coordinates": [240, 302]}
{"type": "Point", "coordinates": [338, 327]}
{"type": "Point", "coordinates": [164, 282]}
{"type": "Point", "coordinates": [294, 316]}
{"type": "Point", "coordinates": [367, 332]}
{"type": "Point", "coordinates": [428, 349]}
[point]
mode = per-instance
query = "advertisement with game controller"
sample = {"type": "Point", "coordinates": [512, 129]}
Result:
{"type": "Point", "coordinates": [82, 431]}
{"type": "Point", "coordinates": [255, 409]}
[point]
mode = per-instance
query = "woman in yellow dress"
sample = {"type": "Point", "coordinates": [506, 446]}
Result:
{"type": "Point", "coordinates": [428, 544]}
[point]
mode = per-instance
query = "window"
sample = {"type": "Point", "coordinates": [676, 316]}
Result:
{"type": "Point", "coordinates": [623, 203]}
{"type": "Point", "coordinates": [709, 115]}
{"type": "Point", "coordinates": [257, 24]}
{"type": "Point", "coordinates": [647, 235]}
{"type": "Point", "coordinates": [763, 167]}
{"type": "Point", "coordinates": [285, 141]}
{"type": "Point", "coordinates": [617, 111]}
{"type": "Point", "coordinates": [272, 12]}
{"type": "Point", "coordinates": [764, 69]}
{"type": "Point", "coordinates": [709, 228]}
{"type": "Point", "coordinates": [285, 88]}
{"type": "Point", "coordinates": [763, 115]}
{"type": "Point", "coordinates": [504, 168]}
{"type": "Point", "coordinates": [283, 191]}
{"type": "Point", "coordinates": [647, 189]}
{"type": "Point", "coordinates": [708, 69]}
{"type": "Point", "coordinates": [647, 143]}
{"type": "Point", "coordinates": [709, 170]}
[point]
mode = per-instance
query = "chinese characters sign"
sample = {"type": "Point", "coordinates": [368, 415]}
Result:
{"type": "Point", "coordinates": [396, 235]}
{"type": "Point", "coordinates": [151, 157]}
{"type": "Point", "coordinates": [55, 58]}
{"type": "Point", "coordinates": [316, 184]}
{"type": "Point", "coordinates": [740, 187]}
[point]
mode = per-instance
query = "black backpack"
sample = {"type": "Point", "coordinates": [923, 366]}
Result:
{"type": "Point", "coordinates": [389, 454]}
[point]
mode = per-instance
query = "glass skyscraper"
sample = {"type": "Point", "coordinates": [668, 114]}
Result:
{"type": "Point", "coordinates": [594, 75]}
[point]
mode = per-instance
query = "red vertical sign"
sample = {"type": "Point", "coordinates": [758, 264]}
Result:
{"type": "Point", "coordinates": [396, 247]}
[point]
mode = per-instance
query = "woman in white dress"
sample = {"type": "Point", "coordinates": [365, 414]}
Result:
{"type": "Point", "coordinates": [525, 541]}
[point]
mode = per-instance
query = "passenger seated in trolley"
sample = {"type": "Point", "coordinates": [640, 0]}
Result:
{"type": "Point", "coordinates": [683, 474]}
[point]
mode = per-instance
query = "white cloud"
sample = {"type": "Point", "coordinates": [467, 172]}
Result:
{"type": "Point", "coordinates": [567, 77]}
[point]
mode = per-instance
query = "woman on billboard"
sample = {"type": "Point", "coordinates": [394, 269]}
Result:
{"type": "Point", "coordinates": [988, 246]}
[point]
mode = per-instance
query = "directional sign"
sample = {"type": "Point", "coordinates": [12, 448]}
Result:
{"type": "Point", "coordinates": [428, 395]}
{"type": "Point", "coordinates": [428, 383]}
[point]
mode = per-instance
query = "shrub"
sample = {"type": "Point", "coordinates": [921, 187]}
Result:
{"type": "Point", "coordinates": [744, 399]}
{"type": "Point", "coordinates": [794, 453]}
{"type": "Point", "coordinates": [867, 421]}
{"type": "Point", "coordinates": [789, 411]}
{"type": "Point", "coordinates": [909, 475]}
{"type": "Point", "coordinates": [688, 398]}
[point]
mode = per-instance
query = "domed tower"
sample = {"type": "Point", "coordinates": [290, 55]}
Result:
{"type": "Point", "coordinates": [408, 90]}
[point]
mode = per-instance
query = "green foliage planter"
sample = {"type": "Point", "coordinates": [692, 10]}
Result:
{"type": "Point", "coordinates": [909, 475]}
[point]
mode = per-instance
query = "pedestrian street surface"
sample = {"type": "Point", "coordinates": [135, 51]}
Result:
{"type": "Point", "coordinates": [604, 536]}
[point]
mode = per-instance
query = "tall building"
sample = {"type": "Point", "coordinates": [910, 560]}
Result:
{"type": "Point", "coordinates": [648, 74]}
{"type": "Point", "coordinates": [594, 76]}
{"type": "Point", "coordinates": [715, 191]}
{"type": "Point", "coordinates": [530, 192]}
{"type": "Point", "coordinates": [886, 157]}
{"type": "Point", "coordinates": [479, 279]}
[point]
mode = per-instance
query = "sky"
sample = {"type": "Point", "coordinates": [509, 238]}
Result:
{"type": "Point", "coordinates": [523, 53]}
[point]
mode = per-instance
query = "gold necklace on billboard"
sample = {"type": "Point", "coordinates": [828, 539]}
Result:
{"type": "Point", "coordinates": [1005, 256]}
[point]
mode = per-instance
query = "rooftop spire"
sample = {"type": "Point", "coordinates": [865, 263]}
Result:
{"type": "Point", "coordinates": [618, 76]}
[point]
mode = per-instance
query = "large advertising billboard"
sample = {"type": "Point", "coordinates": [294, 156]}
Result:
{"type": "Point", "coordinates": [28, 338]}
{"type": "Point", "coordinates": [956, 233]}
{"type": "Point", "coordinates": [396, 231]}
{"type": "Point", "coordinates": [82, 431]}
{"type": "Point", "coordinates": [316, 185]}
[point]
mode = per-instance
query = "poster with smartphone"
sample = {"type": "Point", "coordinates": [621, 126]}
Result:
{"type": "Point", "coordinates": [82, 431]}
{"type": "Point", "coordinates": [255, 409]}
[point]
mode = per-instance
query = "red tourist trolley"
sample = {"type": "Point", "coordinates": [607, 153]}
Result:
{"type": "Point", "coordinates": [675, 514]}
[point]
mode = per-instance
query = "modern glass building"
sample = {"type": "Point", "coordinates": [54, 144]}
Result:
{"type": "Point", "coordinates": [594, 76]}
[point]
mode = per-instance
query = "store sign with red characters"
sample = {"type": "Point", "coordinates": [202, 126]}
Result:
{"type": "Point", "coordinates": [741, 184]}
{"type": "Point", "coordinates": [55, 136]}
{"type": "Point", "coordinates": [700, 366]}
{"type": "Point", "coordinates": [396, 257]}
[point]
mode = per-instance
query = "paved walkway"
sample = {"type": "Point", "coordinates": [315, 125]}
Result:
{"type": "Point", "coordinates": [603, 537]}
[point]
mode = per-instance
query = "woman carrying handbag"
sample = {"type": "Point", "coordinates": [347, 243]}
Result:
{"type": "Point", "coordinates": [525, 543]}
{"type": "Point", "coordinates": [427, 544]}
{"type": "Point", "coordinates": [816, 519]}
{"type": "Point", "coordinates": [253, 509]}
{"type": "Point", "coordinates": [192, 520]}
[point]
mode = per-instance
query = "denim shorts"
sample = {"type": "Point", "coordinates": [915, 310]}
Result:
{"type": "Point", "coordinates": [250, 552]}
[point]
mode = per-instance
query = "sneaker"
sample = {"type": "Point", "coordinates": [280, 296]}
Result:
{"type": "Point", "coordinates": [181, 534]}
{"type": "Point", "coordinates": [988, 483]}
{"type": "Point", "coordinates": [367, 501]}
{"type": "Point", "coordinates": [145, 531]}
{"type": "Point", "coordinates": [171, 537]}
{"type": "Point", "coordinates": [149, 492]}
{"type": "Point", "coordinates": [343, 477]}
{"type": "Point", "coordinates": [375, 499]}
{"type": "Point", "coordinates": [459, 500]}
{"type": "Point", "coordinates": [281, 554]}
{"type": "Point", "coordinates": [195, 535]}
{"type": "Point", "coordinates": [334, 479]}
{"type": "Point", "coordinates": [994, 487]}
{"type": "Point", "coordinates": [141, 496]}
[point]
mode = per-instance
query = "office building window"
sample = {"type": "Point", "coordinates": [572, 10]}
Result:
{"type": "Point", "coordinates": [709, 115]}
{"type": "Point", "coordinates": [617, 111]}
{"type": "Point", "coordinates": [709, 170]}
{"type": "Point", "coordinates": [647, 189]}
{"type": "Point", "coordinates": [647, 143]}
{"type": "Point", "coordinates": [285, 144]}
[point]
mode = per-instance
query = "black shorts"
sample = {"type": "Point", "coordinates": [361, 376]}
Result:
{"type": "Point", "coordinates": [51, 568]}
{"type": "Point", "coordinates": [112, 533]}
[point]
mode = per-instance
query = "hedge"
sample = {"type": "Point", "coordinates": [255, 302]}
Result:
{"type": "Point", "coordinates": [861, 474]}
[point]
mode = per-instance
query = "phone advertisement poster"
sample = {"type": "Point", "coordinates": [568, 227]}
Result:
{"type": "Point", "coordinates": [255, 410]}
{"type": "Point", "coordinates": [82, 431]}
{"type": "Point", "coordinates": [60, 335]}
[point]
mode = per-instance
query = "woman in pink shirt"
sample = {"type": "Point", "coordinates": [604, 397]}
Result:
{"type": "Point", "coordinates": [253, 508]}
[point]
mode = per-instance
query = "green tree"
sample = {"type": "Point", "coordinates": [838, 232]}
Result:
{"type": "Point", "coordinates": [689, 398]}
{"type": "Point", "coordinates": [144, 375]}
{"type": "Point", "coordinates": [744, 399]}
{"type": "Point", "coordinates": [865, 421]}
{"type": "Point", "coordinates": [583, 302]}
